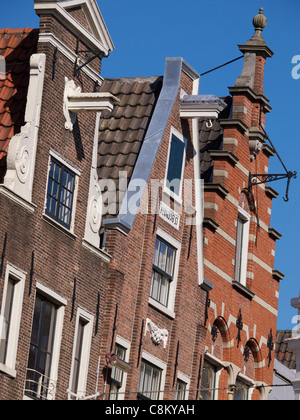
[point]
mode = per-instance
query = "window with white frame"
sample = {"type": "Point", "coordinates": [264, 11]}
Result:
{"type": "Point", "coordinates": [182, 387]}
{"type": "Point", "coordinates": [242, 243]}
{"type": "Point", "coordinates": [164, 273]}
{"type": "Point", "coordinates": [81, 354]}
{"type": "Point", "coordinates": [175, 165]}
{"type": "Point", "coordinates": [208, 382]}
{"type": "Point", "coordinates": [152, 378]}
{"type": "Point", "coordinates": [42, 366]}
{"type": "Point", "coordinates": [241, 392]}
{"type": "Point", "coordinates": [61, 191]}
{"type": "Point", "coordinates": [10, 318]}
{"type": "Point", "coordinates": [118, 375]}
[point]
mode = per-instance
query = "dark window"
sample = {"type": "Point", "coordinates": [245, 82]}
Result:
{"type": "Point", "coordinates": [163, 271]}
{"type": "Point", "coordinates": [60, 193]}
{"type": "Point", "coordinates": [150, 381]}
{"type": "Point", "coordinates": [208, 382]}
{"type": "Point", "coordinates": [242, 391]}
{"type": "Point", "coordinates": [175, 164]}
{"type": "Point", "coordinates": [41, 347]}
{"type": "Point", "coordinates": [78, 355]}
{"type": "Point", "coordinates": [6, 322]}
{"type": "Point", "coordinates": [181, 390]}
{"type": "Point", "coordinates": [117, 375]}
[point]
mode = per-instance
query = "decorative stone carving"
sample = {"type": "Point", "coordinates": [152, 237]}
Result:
{"type": "Point", "coordinates": [157, 335]}
{"type": "Point", "coordinates": [76, 101]}
{"type": "Point", "coordinates": [95, 204]}
{"type": "Point", "coordinates": [256, 142]}
{"type": "Point", "coordinates": [22, 147]}
{"type": "Point", "coordinates": [94, 207]}
{"type": "Point", "coordinates": [70, 90]}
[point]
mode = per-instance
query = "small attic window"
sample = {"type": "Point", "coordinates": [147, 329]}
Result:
{"type": "Point", "coordinates": [175, 166]}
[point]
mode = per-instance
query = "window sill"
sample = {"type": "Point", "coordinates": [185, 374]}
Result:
{"type": "Point", "coordinates": [98, 252]}
{"type": "Point", "coordinates": [27, 205]}
{"type": "Point", "coordinates": [59, 227]}
{"type": "Point", "coordinates": [170, 195]}
{"type": "Point", "coordinates": [243, 289]}
{"type": "Point", "coordinates": [8, 371]}
{"type": "Point", "coordinates": [162, 309]}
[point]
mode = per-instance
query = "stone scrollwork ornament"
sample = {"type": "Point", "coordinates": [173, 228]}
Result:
{"type": "Point", "coordinates": [70, 89]}
{"type": "Point", "coordinates": [95, 205]}
{"type": "Point", "coordinates": [157, 334]}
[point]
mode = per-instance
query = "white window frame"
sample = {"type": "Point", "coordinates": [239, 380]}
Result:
{"type": "Point", "coordinates": [187, 381]}
{"type": "Point", "coordinates": [126, 345]}
{"type": "Point", "coordinates": [169, 310]}
{"type": "Point", "coordinates": [218, 365]}
{"type": "Point", "coordinates": [62, 303]}
{"type": "Point", "coordinates": [147, 357]}
{"type": "Point", "coordinates": [245, 218]}
{"type": "Point", "coordinates": [19, 277]}
{"type": "Point", "coordinates": [177, 198]}
{"type": "Point", "coordinates": [77, 173]}
{"type": "Point", "coordinates": [248, 382]}
{"type": "Point", "coordinates": [88, 318]}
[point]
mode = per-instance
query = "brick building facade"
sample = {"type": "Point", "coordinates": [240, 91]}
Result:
{"type": "Point", "coordinates": [122, 275]}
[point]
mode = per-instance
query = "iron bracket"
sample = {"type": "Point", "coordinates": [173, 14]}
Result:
{"type": "Point", "coordinates": [257, 179]}
{"type": "Point", "coordinates": [95, 53]}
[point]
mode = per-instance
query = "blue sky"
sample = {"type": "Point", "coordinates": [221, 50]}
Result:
{"type": "Point", "coordinates": [206, 34]}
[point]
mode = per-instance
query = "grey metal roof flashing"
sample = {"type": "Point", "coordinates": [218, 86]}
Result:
{"type": "Point", "coordinates": [131, 202]}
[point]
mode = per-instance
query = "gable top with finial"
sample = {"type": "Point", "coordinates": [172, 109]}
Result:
{"type": "Point", "coordinates": [257, 42]}
{"type": "Point", "coordinates": [260, 21]}
{"type": "Point", "coordinates": [93, 32]}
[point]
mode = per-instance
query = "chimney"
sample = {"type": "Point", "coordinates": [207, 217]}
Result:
{"type": "Point", "coordinates": [249, 102]}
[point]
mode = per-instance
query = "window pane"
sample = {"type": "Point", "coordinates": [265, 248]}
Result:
{"type": "Point", "coordinates": [175, 165]}
{"type": "Point", "coordinates": [41, 346]}
{"type": "Point", "coordinates": [150, 378]}
{"type": "Point", "coordinates": [164, 291]}
{"type": "Point", "coordinates": [57, 170]}
{"type": "Point", "coordinates": [239, 248]}
{"type": "Point", "coordinates": [163, 270]}
{"type": "Point", "coordinates": [60, 193]}
{"type": "Point", "coordinates": [6, 320]}
{"type": "Point", "coordinates": [162, 256]}
{"type": "Point", "coordinates": [156, 255]}
{"type": "Point", "coordinates": [155, 286]}
{"type": "Point", "coordinates": [77, 357]}
{"type": "Point", "coordinates": [170, 261]}
{"type": "Point", "coordinates": [241, 392]}
{"type": "Point", "coordinates": [181, 390]}
{"type": "Point", "coordinates": [208, 382]}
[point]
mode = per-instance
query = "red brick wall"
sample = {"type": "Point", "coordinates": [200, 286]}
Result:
{"type": "Point", "coordinates": [133, 257]}
{"type": "Point", "coordinates": [59, 258]}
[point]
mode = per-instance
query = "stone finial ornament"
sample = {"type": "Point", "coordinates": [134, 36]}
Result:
{"type": "Point", "coordinates": [259, 23]}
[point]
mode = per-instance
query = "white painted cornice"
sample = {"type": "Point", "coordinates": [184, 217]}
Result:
{"type": "Point", "coordinates": [98, 39]}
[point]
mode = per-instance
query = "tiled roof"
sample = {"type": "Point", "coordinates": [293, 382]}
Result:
{"type": "Point", "coordinates": [16, 46]}
{"type": "Point", "coordinates": [282, 354]}
{"type": "Point", "coordinates": [123, 130]}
